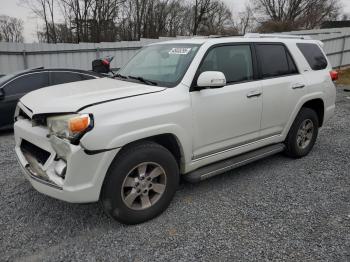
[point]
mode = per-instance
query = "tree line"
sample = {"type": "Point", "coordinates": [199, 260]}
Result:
{"type": "Point", "coordinates": [11, 29]}
{"type": "Point", "coordinates": [74, 21]}
{"type": "Point", "coordinates": [116, 20]}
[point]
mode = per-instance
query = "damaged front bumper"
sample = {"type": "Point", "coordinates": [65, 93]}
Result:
{"type": "Point", "coordinates": [57, 168]}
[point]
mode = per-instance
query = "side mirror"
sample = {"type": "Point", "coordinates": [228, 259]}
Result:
{"type": "Point", "coordinates": [213, 79]}
{"type": "Point", "coordinates": [102, 65]}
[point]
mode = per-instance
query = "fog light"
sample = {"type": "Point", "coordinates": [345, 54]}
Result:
{"type": "Point", "coordinates": [61, 168]}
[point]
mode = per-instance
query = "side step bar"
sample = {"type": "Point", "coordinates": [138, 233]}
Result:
{"type": "Point", "coordinates": [232, 163]}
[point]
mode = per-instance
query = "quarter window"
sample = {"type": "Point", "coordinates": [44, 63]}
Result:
{"type": "Point", "coordinates": [314, 56]}
{"type": "Point", "coordinates": [234, 61]}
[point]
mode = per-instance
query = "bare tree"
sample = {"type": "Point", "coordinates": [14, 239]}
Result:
{"type": "Point", "coordinates": [217, 21]}
{"type": "Point", "coordinates": [246, 20]}
{"type": "Point", "coordinates": [44, 9]}
{"type": "Point", "coordinates": [11, 29]}
{"type": "Point", "coordinates": [112, 20]}
{"type": "Point", "coordinates": [294, 14]}
{"type": "Point", "coordinates": [200, 9]}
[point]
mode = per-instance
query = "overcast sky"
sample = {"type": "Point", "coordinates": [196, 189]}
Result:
{"type": "Point", "coordinates": [13, 8]}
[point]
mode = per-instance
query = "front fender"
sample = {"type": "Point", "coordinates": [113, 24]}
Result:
{"type": "Point", "coordinates": [179, 133]}
{"type": "Point", "coordinates": [122, 122]}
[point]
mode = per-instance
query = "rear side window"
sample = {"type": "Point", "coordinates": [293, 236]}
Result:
{"type": "Point", "coordinates": [27, 83]}
{"type": "Point", "coordinates": [275, 60]}
{"type": "Point", "coordinates": [314, 56]}
{"type": "Point", "coordinates": [234, 61]}
{"type": "Point", "coordinates": [58, 78]}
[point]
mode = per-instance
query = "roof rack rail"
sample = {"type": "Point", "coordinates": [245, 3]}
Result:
{"type": "Point", "coordinates": [212, 36]}
{"type": "Point", "coordinates": [34, 68]}
{"type": "Point", "coordinates": [256, 35]}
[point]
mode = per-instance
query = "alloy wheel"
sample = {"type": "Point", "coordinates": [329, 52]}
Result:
{"type": "Point", "coordinates": [305, 134]}
{"type": "Point", "coordinates": [143, 186]}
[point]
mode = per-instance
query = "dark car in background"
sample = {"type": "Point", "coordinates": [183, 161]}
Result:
{"type": "Point", "coordinates": [14, 86]}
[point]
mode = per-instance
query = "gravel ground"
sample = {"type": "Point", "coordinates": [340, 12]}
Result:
{"type": "Point", "coordinates": [274, 209]}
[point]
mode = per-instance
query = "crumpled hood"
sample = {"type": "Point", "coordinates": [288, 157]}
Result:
{"type": "Point", "coordinates": [72, 97]}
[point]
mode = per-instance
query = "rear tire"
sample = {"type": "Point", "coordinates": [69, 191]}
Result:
{"type": "Point", "coordinates": [140, 183]}
{"type": "Point", "coordinates": [303, 133]}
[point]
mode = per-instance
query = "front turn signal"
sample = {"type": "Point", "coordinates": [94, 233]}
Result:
{"type": "Point", "coordinates": [79, 124]}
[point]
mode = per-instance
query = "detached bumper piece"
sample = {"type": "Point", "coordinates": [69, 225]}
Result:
{"type": "Point", "coordinates": [34, 160]}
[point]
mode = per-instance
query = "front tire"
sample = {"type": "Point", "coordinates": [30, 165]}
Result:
{"type": "Point", "coordinates": [303, 134]}
{"type": "Point", "coordinates": [140, 183]}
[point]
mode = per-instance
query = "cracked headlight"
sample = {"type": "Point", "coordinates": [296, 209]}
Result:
{"type": "Point", "coordinates": [71, 127]}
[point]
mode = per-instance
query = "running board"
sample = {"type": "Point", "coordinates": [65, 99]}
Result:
{"type": "Point", "coordinates": [217, 168]}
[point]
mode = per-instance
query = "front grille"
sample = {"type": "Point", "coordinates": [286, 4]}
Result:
{"type": "Point", "coordinates": [39, 154]}
{"type": "Point", "coordinates": [39, 120]}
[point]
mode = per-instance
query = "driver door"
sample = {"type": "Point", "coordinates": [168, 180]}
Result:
{"type": "Point", "coordinates": [227, 117]}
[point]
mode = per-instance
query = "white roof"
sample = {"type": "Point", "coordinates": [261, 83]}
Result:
{"type": "Point", "coordinates": [247, 38]}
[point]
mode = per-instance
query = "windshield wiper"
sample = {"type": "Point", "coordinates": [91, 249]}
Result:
{"type": "Point", "coordinates": [141, 79]}
{"type": "Point", "coordinates": [120, 76]}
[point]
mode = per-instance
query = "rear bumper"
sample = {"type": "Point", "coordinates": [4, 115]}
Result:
{"type": "Point", "coordinates": [83, 176]}
{"type": "Point", "coordinates": [329, 113]}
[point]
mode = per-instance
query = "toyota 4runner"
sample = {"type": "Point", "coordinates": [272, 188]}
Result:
{"type": "Point", "coordinates": [186, 108]}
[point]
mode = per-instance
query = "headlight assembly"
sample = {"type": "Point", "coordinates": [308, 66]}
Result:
{"type": "Point", "coordinates": [71, 127]}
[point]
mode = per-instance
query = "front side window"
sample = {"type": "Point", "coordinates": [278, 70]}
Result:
{"type": "Point", "coordinates": [234, 61]}
{"type": "Point", "coordinates": [27, 83]}
{"type": "Point", "coordinates": [314, 56]}
{"type": "Point", "coordinates": [164, 64]}
{"type": "Point", "coordinates": [275, 61]}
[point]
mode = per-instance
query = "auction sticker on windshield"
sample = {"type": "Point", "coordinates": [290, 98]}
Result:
{"type": "Point", "coordinates": [179, 51]}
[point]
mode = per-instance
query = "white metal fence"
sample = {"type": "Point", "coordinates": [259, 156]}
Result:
{"type": "Point", "coordinates": [336, 43]}
{"type": "Point", "coordinates": [19, 56]}
{"type": "Point", "coordinates": [15, 57]}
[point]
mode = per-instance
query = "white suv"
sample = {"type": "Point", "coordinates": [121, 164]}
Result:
{"type": "Point", "coordinates": [191, 108]}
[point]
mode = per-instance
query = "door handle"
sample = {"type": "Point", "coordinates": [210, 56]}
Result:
{"type": "Point", "coordinates": [298, 86]}
{"type": "Point", "coordinates": [254, 94]}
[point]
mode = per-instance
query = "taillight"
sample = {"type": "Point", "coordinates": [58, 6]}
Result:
{"type": "Point", "coordinates": [334, 75]}
{"type": "Point", "coordinates": [105, 62]}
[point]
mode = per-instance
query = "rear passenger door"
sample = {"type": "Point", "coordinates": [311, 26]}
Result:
{"type": "Point", "coordinates": [282, 84]}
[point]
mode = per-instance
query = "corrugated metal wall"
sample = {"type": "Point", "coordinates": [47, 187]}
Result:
{"type": "Point", "coordinates": [336, 43]}
{"type": "Point", "coordinates": [15, 57]}
{"type": "Point", "coordinates": [338, 50]}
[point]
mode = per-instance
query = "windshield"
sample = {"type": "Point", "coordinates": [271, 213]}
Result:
{"type": "Point", "coordinates": [163, 65]}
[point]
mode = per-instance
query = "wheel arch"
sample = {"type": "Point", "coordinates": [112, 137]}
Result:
{"type": "Point", "coordinates": [314, 101]}
{"type": "Point", "coordinates": [317, 105]}
{"type": "Point", "coordinates": [168, 140]}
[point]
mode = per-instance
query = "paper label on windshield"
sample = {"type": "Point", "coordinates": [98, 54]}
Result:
{"type": "Point", "coordinates": [179, 51]}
